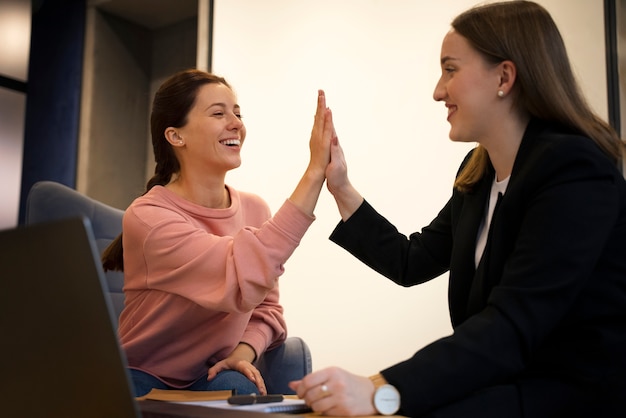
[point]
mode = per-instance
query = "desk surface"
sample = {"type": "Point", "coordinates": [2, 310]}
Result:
{"type": "Point", "coordinates": [161, 409]}
{"type": "Point", "coordinates": [170, 404]}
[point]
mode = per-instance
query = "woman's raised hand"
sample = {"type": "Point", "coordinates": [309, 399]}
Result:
{"type": "Point", "coordinates": [348, 199]}
{"type": "Point", "coordinates": [308, 189]}
{"type": "Point", "coordinates": [321, 136]}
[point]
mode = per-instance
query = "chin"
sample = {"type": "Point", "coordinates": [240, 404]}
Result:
{"type": "Point", "coordinates": [455, 137]}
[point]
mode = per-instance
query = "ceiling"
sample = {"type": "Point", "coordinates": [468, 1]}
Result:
{"type": "Point", "coordinates": [151, 14]}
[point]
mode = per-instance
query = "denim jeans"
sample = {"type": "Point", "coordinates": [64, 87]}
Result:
{"type": "Point", "coordinates": [226, 380]}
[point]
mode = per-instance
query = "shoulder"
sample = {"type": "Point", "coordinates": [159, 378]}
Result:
{"type": "Point", "coordinates": [158, 196]}
{"type": "Point", "coordinates": [156, 206]}
{"type": "Point", "coordinates": [547, 150]}
{"type": "Point", "coordinates": [249, 198]}
{"type": "Point", "coordinates": [251, 202]}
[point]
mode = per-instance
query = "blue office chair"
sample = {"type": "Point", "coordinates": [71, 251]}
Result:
{"type": "Point", "coordinates": [49, 201]}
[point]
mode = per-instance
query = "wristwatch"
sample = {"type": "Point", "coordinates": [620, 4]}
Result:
{"type": "Point", "coordinates": [386, 397]}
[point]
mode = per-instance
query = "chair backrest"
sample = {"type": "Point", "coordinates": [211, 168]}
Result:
{"type": "Point", "coordinates": [50, 201]}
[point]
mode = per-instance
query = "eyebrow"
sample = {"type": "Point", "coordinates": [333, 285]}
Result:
{"type": "Point", "coordinates": [223, 105]}
{"type": "Point", "coordinates": [447, 58]}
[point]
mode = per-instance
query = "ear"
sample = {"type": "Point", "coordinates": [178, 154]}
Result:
{"type": "Point", "coordinates": [173, 137]}
{"type": "Point", "coordinates": [508, 75]}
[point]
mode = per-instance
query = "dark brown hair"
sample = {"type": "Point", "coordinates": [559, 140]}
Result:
{"type": "Point", "coordinates": [525, 33]}
{"type": "Point", "coordinates": [170, 107]}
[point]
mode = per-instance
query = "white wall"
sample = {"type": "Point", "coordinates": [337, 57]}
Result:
{"type": "Point", "coordinates": [12, 113]}
{"type": "Point", "coordinates": [378, 62]}
{"type": "Point", "coordinates": [15, 16]}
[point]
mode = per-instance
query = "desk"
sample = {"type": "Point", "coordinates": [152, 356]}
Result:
{"type": "Point", "coordinates": [161, 409]}
{"type": "Point", "coordinates": [167, 404]}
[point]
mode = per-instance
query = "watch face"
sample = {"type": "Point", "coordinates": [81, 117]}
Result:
{"type": "Point", "coordinates": [387, 400]}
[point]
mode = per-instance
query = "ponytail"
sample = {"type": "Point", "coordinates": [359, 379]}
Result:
{"type": "Point", "coordinates": [113, 256]}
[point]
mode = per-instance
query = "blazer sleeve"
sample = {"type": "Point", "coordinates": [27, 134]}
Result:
{"type": "Point", "coordinates": [372, 239]}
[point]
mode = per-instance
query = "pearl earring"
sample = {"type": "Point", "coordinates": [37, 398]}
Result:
{"type": "Point", "coordinates": [500, 93]}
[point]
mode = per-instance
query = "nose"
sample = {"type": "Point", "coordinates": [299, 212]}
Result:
{"type": "Point", "coordinates": [440, 91]}
{"type": "Point", "coordinates": [235, 122]}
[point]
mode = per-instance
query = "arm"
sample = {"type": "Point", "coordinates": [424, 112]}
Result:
{"type": "Point", "coordinates": [170, 251]}
{"type": "Point", "coordinates": [376, 242]}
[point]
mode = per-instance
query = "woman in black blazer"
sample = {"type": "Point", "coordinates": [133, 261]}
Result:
{"type": "Point", "coordinates": [533, 238]}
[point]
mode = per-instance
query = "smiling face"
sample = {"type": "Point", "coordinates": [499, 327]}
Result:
{"type": "Point", "coordinates": [212, 138]}
{"type": "Point", "coordinates": [469, 87]}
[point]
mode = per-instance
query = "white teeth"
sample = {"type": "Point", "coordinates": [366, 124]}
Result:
{"type": "Point", "coordinates": [231, 142]}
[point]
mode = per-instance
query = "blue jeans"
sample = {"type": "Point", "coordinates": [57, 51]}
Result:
{"type": "Point", "coordinates": [226, 380]}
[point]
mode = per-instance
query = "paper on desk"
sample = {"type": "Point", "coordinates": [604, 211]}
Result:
{"type": "Point", "coordinates": [287, 405]}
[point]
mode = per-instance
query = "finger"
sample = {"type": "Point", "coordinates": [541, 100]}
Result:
{"type": "Point", "coordinates": [329, 127]}
{"type": "Point", "coordinates": [255, 376]}
{"type": "Point", "coordinates": [294, 385]}
{"type": "Point", "coordinates": [213, 371]}
{"type": "Point", "coordinates": [336, 152]}
{"type": "Point", "coordinates": [319, 398]}
{"type": "Point", "coordinates": [307, 386]}
{"type": "Point", "coordinates": [260, 384]}
{"type": "Point", "coordinates": [324, 391]}
{"type": "Point", "coordinates": [301, 388]}
{"type": "Point", "coordinates": [320, 114]}
{"type": "Point", "coordinates": [317, 378]}
{"type": "Point", "coordinates": [321, 99]}
{"type": "Point", "coordinates": [321, 106]}
{"type": "Point", "coordinates": [248, 371]}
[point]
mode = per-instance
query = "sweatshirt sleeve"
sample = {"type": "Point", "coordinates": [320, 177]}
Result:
{"type": "Point", "coordinates": [229, 273]}
{"type": "Point", "coordinates": [267, 327]}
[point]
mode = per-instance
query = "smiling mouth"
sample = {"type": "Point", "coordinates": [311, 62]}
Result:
{"type": "Point", "coordinates": [451, 110]}
{"type": "Point", "coordinates": [231, 142]}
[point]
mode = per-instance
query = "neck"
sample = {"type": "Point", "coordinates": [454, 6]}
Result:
{"type": "Point", "coordinates": [210, 194]}
{"type": "Point", "coordinates": [503, 147]}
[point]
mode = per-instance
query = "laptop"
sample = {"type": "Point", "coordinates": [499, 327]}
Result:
{"type": "Point", "coordinates": [59, 351]}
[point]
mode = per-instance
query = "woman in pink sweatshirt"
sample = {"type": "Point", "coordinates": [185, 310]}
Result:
{"type": "Point", "coordinates": [201, 260]}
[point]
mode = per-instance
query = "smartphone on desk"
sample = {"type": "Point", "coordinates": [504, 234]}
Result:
{"type": "Point", "coordinates": [254, 399]}
{"type": "Point", "coordinates": [269, 404]}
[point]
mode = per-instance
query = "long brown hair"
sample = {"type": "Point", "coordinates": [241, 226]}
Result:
{"type": "Point", "coordinates": [170, 107]}
{"type": "Point", "coordinates": [525, 33]}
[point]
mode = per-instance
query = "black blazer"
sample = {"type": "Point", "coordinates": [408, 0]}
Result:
{"type": "Point", "coordinates": [545, 310]}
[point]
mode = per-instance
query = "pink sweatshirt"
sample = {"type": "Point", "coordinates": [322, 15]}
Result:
{"type": "Point", "coordinates": [199, 281]}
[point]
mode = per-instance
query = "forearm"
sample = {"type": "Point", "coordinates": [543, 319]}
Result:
{"type": "Point", "coordinates": [245, 352]}
{"type": "Point", "coordinates": [307, 192]}
{"type": "Point", "coordinates": [348, 200]}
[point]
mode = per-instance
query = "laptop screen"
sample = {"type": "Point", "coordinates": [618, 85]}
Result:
{"type": "Point", "coordinates": [59, 353]}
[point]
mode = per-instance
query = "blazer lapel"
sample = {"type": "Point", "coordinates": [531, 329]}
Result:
{"type": "Point", "coordinates": [462, 267]}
